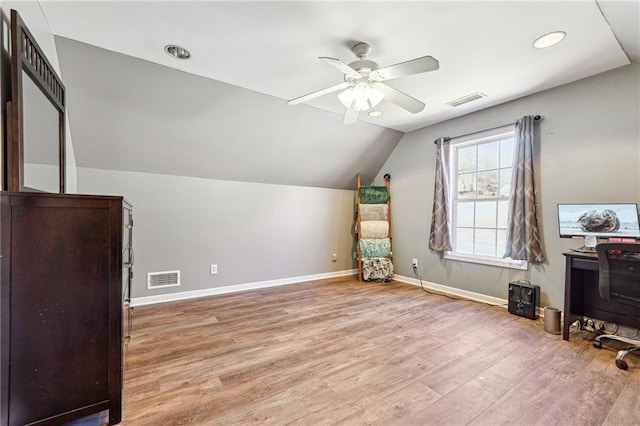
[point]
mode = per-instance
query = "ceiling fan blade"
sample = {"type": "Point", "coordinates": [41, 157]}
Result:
{"type": "Point", "coordinates": [319, 93]}
{"type": "Point", "coordinates": [341, 66]}
{"type": "Point", "coordinates": [400, 98]}
{"type": "Point", "coordinates": [350, 116]}
{"type": "Point", "coordinates": [403, 69]}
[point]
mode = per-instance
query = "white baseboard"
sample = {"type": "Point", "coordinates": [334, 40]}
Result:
{"type": "Point", "coordinates": [171, 297]}
{"type": "Point", "coordinates": [463, 294]}
{"type": "Point", "coordinates": [452, 291]}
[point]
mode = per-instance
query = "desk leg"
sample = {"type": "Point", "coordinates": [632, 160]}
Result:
{"type": "Point", "coordinates": [567, 299]}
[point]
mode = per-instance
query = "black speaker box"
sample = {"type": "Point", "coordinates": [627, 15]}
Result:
{"type": "Point", "coordinates": [524, 299]}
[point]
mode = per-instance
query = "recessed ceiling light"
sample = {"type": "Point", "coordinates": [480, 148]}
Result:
{"type": "Point", "coordinates": [549, 40]}
{"type": "Point", "coordinates": [177, 51]}
{"type": "Point", "coordinates": [375, 113]}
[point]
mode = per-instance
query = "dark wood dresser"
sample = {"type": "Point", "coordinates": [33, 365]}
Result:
{"type": "Point", "coordinates": [61, 306]}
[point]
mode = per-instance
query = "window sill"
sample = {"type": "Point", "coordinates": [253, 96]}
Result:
{"type": "Point", "coordinates": [522, 265]}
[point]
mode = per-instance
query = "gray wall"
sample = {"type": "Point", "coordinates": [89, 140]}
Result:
{"type": "Point", "coordinates": [254, 232]}
{"type": "Point", "coordinates": [588, 151]}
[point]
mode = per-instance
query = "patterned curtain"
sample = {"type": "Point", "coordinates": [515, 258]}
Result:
{"type": "Point", "coordinates": [523, 240]}
{"type": "Point", "coordinates": [439, 238]}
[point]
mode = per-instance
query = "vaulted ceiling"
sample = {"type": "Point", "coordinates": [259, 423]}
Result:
{"type": "Point", "coordinates": [223, 114]}
{"type": "Point", "coordinates": [130, 114]}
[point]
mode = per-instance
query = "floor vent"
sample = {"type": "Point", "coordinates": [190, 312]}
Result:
{"type": "Point", "coordinates": [163, 279]}
{"type": "Point", "coordinates": [466, 99]}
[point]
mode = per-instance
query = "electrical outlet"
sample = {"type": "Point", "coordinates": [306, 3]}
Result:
{"type": "Point", "coordinates": [214, 269]}
{"type": "Point", "coordinates": [414, 263]}
{"type": "Point", "coordinates": [334, 257]}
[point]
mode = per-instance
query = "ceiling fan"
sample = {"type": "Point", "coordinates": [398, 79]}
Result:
{"type": "Point", "coordinates": [363, 86]}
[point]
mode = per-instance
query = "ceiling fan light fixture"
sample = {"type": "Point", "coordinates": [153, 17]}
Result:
{"type": "Point", "coordinates": [361, 97]}
{"type": "Point", "coordinates": [374, 113]}
{"type": "Point", "coordinates": [549, 39]}
{"type": "Point", "coordinates": [364, 84]}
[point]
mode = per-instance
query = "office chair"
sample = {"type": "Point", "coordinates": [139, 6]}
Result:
{"type": "Point", "coordinates": [619, 282]}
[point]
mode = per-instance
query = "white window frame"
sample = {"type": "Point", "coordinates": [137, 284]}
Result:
{"type": "Point", "coordinates": [475, 139]}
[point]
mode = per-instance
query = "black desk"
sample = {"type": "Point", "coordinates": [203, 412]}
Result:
{"type": "Point", "coordinates": [582, 298]}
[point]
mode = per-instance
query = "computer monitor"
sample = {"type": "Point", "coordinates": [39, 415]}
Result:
{"type": "Point", "coordinates": [598, 220]}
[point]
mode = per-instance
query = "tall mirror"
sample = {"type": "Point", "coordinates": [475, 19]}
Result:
{"type": "Point", "coordinates": [36, 145]}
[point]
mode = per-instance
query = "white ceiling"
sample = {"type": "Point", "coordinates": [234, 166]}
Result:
{"type": "Point", "coordinates": [272, 47]}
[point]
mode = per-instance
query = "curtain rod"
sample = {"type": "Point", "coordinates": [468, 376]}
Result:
{"type": "Point", "coordinates": [536, 118]}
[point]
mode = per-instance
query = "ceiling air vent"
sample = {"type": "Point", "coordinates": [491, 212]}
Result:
{"type": "Point", "coordinates": [163, 279]}
{"type": "Point", "coordinates": [466, 99]}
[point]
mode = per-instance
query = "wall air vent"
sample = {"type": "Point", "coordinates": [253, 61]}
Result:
{"type": "Point", "coordinates": [163, 279]}
{"type": "Point", "coordinates": [466, 99]}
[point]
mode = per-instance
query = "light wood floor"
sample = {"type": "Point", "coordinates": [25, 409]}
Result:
{"type": "Point", "coordinates": [342, 352]}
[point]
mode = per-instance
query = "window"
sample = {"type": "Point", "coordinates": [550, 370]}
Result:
{"type": "Point", "coordinates": [480, 188]}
